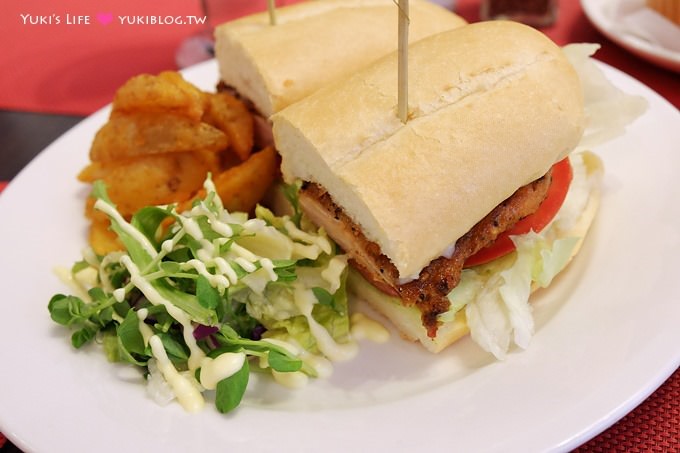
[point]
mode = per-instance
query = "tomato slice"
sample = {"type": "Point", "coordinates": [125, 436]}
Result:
{"type": "Point", "coordinates": [557, 192]}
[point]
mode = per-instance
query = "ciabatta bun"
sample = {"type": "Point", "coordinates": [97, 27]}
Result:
{"type": "Point", "coordinates": [407, 319]}
{"type": "Point", "coordinates": [492, 106]}
{"type": "Point", "coordinates": [314, 43]}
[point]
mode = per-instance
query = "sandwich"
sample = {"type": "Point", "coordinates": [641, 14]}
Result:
{"type": "Point", "coordinates": [444, 216]}
{"type": "Point", "coordinates": [314, 43]}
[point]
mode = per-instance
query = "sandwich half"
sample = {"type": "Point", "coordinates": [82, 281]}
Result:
{"type": "Point", "coordinates": [495, 110]}
{"type": "Point", "coordinates": [314, 43]}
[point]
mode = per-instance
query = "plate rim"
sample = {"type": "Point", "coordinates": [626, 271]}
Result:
{"type": "Point", "coordinates": [615, 413]}
{"type": "Point", "coordinates": [659, 56]}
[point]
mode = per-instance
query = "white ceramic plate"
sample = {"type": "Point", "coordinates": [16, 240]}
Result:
{"type": "Point", "coordinates": [603, 15]}
{"type": "Point", "coordinates": [607, 335]}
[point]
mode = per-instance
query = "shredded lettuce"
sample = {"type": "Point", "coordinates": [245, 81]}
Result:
{"type": "Point", "coordinates": [495, 296]}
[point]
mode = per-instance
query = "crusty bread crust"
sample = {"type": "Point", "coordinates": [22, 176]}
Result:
{"type": "Point", "coordinates": [313, 44]}
{"type": "Point", "coordinates": [407, 319]}
{"type": "Point", "coordinates": [492, 106]}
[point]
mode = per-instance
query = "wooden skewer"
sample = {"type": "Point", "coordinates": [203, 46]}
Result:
{"type": "Point", "coordinates": [402, 79]}
{"type": "Point", "coordinates": [271, 6]}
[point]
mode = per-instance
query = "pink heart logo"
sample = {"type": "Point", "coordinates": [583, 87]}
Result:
{"type": "Point", "coordinates": [105, 18]}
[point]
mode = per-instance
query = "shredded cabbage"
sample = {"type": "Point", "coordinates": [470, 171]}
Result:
{"type": "Point", "coordinates": [608, 110]}
{"type": "Point", "coordinates": [495, 296]}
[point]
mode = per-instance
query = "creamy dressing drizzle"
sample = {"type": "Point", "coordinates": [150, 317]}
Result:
{"type": "Point", "coordinates": [296, 233]}
{"type": "Point", "coordinates": [364, 327]}
{"type": "Point", "coordinates": [119, 294]}
{"type": "Point", "coordinates": [332, 273]}
{"type": "Point", "coordinates": [196, 353]}
{"type": "Point", "coordinates": [321, 365]}
{"type": "Point", "coordinates": [111, 258]}
{"type": "Point", "coordinates": [191, 227]}
{"type": "Point", "coordinates": [221, 367]}
{"type": "Point", "coordinates": [224, 267]}
{"type": "Point", "coordinates": [245, 264]}
{"type": "Point", "coordinates": [109, 210]}
{"type": "Point", "coordinates": [306, 251]}
{"type": "Point", "coordinates": [187, 394]}
{"type": "Point", "coordinates": [67, 279]}
{"type": "Point", "coordinates": [216, 280]}
{"type": "Point", "coordinates": [243, 253]}
{"type": "Point", "coordinates": [268, 266]}
{"type": "Point", "coordinates": [305, 300]}
{"type": "Point", "coordinates": [144, 329]}
{"type": "Point", "coordinates": [292, 379]}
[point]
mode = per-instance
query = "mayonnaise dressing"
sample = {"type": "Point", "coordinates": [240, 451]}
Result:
{"type": "Point", "coordinates": [103, 267]}
{"type": "Point", "coordinates": [137, 235]}
{"type": "Point", "coordinates": [196, 353]}
{"type": "Point", "coordinates": [296, 233]}
{"type": "Point", "coordinates": [333, 272]}
{"type": "Point", "coordinates": [305, 300]}
{"type": "Point", "coordinates": [291, 379]}
{"type": "Point", "coordinates": [364, 327]}
{"type": "Point", "coordinates": [119, 294]}
{"type": "Point", "coordinates": [67, 279]}
{"type": "Point", "coordinates": [187, 394]}
{"type": "Point", "coordinates": [221, 367]}
{"type": "Point", "coordinates": [144, 328]}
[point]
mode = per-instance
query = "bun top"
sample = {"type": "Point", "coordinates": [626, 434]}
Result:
{"type": "Point", "coordinates": [491, 107]}
{"type": "Point", "coordinates": [314, 43]}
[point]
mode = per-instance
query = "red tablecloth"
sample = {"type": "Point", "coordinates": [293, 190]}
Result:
{"type": "Point", "coordinates": [59, 66]}
{"type": "Point", "coordinates": [51, 64]}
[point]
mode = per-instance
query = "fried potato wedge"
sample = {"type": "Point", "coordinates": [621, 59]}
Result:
{"type": "Point", "coordinates": [243, 186]}
{"type": "Point", "coordinates": [102, 239]}
{"type": "Point", "coordinates": [231, 116]}
{"type": "Point", "coordinates": [167, 92]}
{"type": "Point", "coordinates": [138, 134]}
{"type": "Point", "coordinates": [150, 180]}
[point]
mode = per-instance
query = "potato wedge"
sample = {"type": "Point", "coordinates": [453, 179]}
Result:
{"type": "Point", "coordinates": [153, 180]}
{"type": "Point", "coordinates": [137, 134]}
{"type": "Point", "coordinates": [231, 116]}
{"type": "Point", "coordinates": [243, 186]}
{"type": "Point", "coordinates": [167, 92]}
{"type": "Point", "coordinates": [102, 239]}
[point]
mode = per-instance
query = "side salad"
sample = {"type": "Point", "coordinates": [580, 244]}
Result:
{"type": "Point", "coordinates": [200, 299]}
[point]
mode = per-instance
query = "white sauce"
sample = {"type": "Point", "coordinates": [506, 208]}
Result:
{"type": "Point", "coordinates": [292, 380]}
{"type": "Point", "coordinates": [296, 233]}
{"type": "Point", "coordinates": [224, 267]}
{"type": "Point", "coordinates": [187, 394]}
{"type": "Point", "coordinates": [104, 278]}
{"type": "Point", "coordinates": [364, 327]}
{"type": "Point", "coordinates": [216, 280]}
{"type": "Point", "coordinates": [306, 251]}
{"type": "Point", "coordinates": [305, 300]}
{"type": "Point", "coordinates": [66, 278]}
{"type": "Point", "coordinates": [244, 253]}
{"type": "Point", "coordinates": [87, 277]}
{"type": "Point", "coordinates": [137, 235]}
{"type": "Point", "coordinates": [225, 365]}
{"type": "Point", "coordinates": [191, 227]}
{"type": "Point", "coordinates": [332, 273]}
{"type": "Point", "coordinates": [268, 266]}
{"type": "Point", "coordinates": [144, 328]}
{"type": "Point", "coordinates": [119, 294]}
{"type": "Point", "coordinates": [196, 353]}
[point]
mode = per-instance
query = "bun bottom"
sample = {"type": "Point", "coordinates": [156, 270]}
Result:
{"type": "Point", "coordinates": [407, 319]}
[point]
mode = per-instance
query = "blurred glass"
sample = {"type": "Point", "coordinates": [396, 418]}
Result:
{"type": "Point", "coordinates": [448, 4]}
{"type": "Point", "coordinates": [537, 13]}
